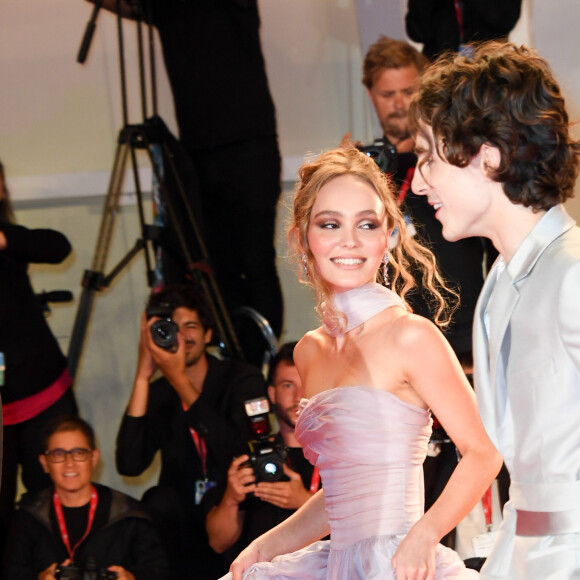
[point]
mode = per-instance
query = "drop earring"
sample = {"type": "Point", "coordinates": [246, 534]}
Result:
{"type": "Point", "coordinates": [305, 262]}
{"type": "Point", "coordinates": [386, 258]}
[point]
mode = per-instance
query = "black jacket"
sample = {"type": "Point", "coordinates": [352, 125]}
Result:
{"type": "Point", "coordinates": [121, 535]}
{"type": "Point", "coordinates": [434, 22]}
{"type": "Point", "coordinates": [32, 355]}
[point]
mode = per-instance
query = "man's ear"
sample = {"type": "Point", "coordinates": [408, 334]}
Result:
{"type": "Point", "coordinates": [208, 335]}
{"type": "Point", "coordinates": [272, 394]}
{"type": "Point", "coordinates": [490, 158]}
{"type": "Point", "coordinates": [43, 462]}
{"type": "Point", "coordinates": [95, 457]}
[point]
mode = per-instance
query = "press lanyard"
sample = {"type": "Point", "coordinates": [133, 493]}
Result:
{"type": "Point", "coordinates": [200, 445]}
{"type": "Point", "coordinates": [404, 189]}
{"type": "Point", "coordinates": [486, 504]}
{"type": "Point", "coordinates": [62, 523]}
{"type": "Point", "coordinates": [201, 449]}
{"type": "Point", "coordinates": [315, 481]}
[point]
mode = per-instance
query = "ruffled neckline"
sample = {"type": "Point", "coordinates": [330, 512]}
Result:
{"type": "Point", "coordinates": [359, 305]}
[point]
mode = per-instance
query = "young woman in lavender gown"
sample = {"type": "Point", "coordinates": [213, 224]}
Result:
{"type": "Point", "coordinates": [372, 373]}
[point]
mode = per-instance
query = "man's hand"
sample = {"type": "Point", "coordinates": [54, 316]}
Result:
{"type": "Point", "coordinates": [405, 145]}
{"type": "Point", "coordinates": [49, 573]}
{"type": "Point", "coordinates": [122, 574]}
{"type": "Point", "coordinates": [285, 494]}
{"type": "Point", "coordinates": [173, 366]}
{"type": "Point", "coordinates": [241, 480]}
{"type": "Point", "coordinates": [169, 363]}
{"type": "Point", "coordinates": [145, 365]}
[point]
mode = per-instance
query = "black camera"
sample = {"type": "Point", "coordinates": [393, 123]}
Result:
{"type": "Point", "coordinates": [267, 451]}
{"type": "Point", "coordinates": [91, 572]}
{"type": "Point", "coordinates": [165, 330]}
{"type": "Point", "coordinates": [384, 154]}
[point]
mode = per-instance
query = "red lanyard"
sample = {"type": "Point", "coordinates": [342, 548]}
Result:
{"type": "Point", "coordinates": [200, 445]}
{"type": "Point", "coordinates": [315, 481]}
{"type": "Point", "coordinates": [459, 15]}
{"type": "Point", "coordinates": [486, 504]}
{"type": "Point", "coordinates": [404, 189]}
{"type": "Point", "coordinates": [201, 449]}
{"type": "Point", "coordinates": [62, 523]}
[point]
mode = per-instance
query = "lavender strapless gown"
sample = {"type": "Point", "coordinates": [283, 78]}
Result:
{"type": "Point", "coordinates": [369, 447]}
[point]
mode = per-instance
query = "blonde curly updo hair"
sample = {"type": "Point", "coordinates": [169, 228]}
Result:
{"type": "Point", "coordinates": [407, 252]}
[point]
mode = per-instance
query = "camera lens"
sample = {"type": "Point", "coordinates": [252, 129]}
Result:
{"type": "Point", "coordinates": [164, 333]}
{"type": "Point", "coordinates": [270, 471]}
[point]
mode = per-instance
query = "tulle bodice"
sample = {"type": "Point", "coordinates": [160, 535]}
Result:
{"type": "Point", "coordinates": [369, 447]}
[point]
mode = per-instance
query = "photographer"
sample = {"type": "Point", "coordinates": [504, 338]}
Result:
{"type": "Point", "coordinates": [194, 414]}
{"type": "Point", "coordinates": [77, 522]}
{"type": "Point", "coordinates": [249, 507]}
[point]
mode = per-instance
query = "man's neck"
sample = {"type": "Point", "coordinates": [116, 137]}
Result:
{"type": "Point", "coordinates": [288, 435]}
{"type": "Point", "coordinates": [197, 372]}
{"type": "Point", "coordinates": [77, 498]}
{"type": "Point", "coordinates": [401, 144]}
{"type": "Point", "coordinates": [512, 227]}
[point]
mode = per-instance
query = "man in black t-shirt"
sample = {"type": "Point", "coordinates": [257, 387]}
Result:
{"type": "Point", "coordinates": [247, 509]}
{"type": "Point", "coordinates": [194, 415]}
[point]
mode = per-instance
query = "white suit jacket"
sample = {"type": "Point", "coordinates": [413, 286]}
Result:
{"type": "Point", "coordinates": [527, 381]}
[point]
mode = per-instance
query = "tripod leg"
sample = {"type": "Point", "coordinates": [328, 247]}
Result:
{"type": "Point", "coordinates": [205, 278]}
{"type": "Point", "coordinates": [92, 279]}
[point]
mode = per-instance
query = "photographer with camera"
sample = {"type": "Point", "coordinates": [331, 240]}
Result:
{"type": "Point", "coordinates": [64, 531]}
{"type": "Point", "coordinates": [194, 415]}
{"type": "Point", "coordinates": [262, 493]}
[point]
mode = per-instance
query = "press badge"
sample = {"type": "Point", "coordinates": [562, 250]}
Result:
{"type": "Point", "coordinates": [201, 486]}
{"type": "Point", "coordinates": [482, 544]}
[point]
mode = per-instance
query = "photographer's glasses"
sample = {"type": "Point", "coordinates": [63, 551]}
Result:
{"type": "Point", "coordinates": [59, 455]}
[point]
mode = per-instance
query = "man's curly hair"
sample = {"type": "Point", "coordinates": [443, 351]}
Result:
{"type": "Point", "coordinates": [505, 96]}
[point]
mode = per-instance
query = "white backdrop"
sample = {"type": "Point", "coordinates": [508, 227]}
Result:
{"type": "Point", "coordinates": [59, 123]}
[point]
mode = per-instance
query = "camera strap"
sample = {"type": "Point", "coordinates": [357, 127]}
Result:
{"type": "Point", "coordinates": [62, 523]}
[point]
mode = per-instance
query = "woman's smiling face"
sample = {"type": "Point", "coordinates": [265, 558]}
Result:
{"type": "Point", "coordinates": [347, 233]}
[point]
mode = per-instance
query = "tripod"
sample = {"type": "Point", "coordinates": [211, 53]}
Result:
{"type": "Point", "coordinates": [152, 136]}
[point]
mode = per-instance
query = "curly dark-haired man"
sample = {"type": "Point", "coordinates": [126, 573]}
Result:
{"type": "Point", "coordinates": [496, 159]}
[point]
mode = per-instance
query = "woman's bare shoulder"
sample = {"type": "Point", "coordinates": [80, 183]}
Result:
{"type": "Point", "coordinates": [414, 331]}
{"type": "Point", "coordinates": [309, 343]}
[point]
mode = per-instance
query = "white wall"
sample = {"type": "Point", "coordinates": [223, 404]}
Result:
{"type": "Point", "coordinates": [59, 122]}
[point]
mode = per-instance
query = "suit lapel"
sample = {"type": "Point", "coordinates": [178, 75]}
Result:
{"type": "Point", "coordinates": [501, 306]}
{"type": "Point", "coordinates": [498, 299]}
